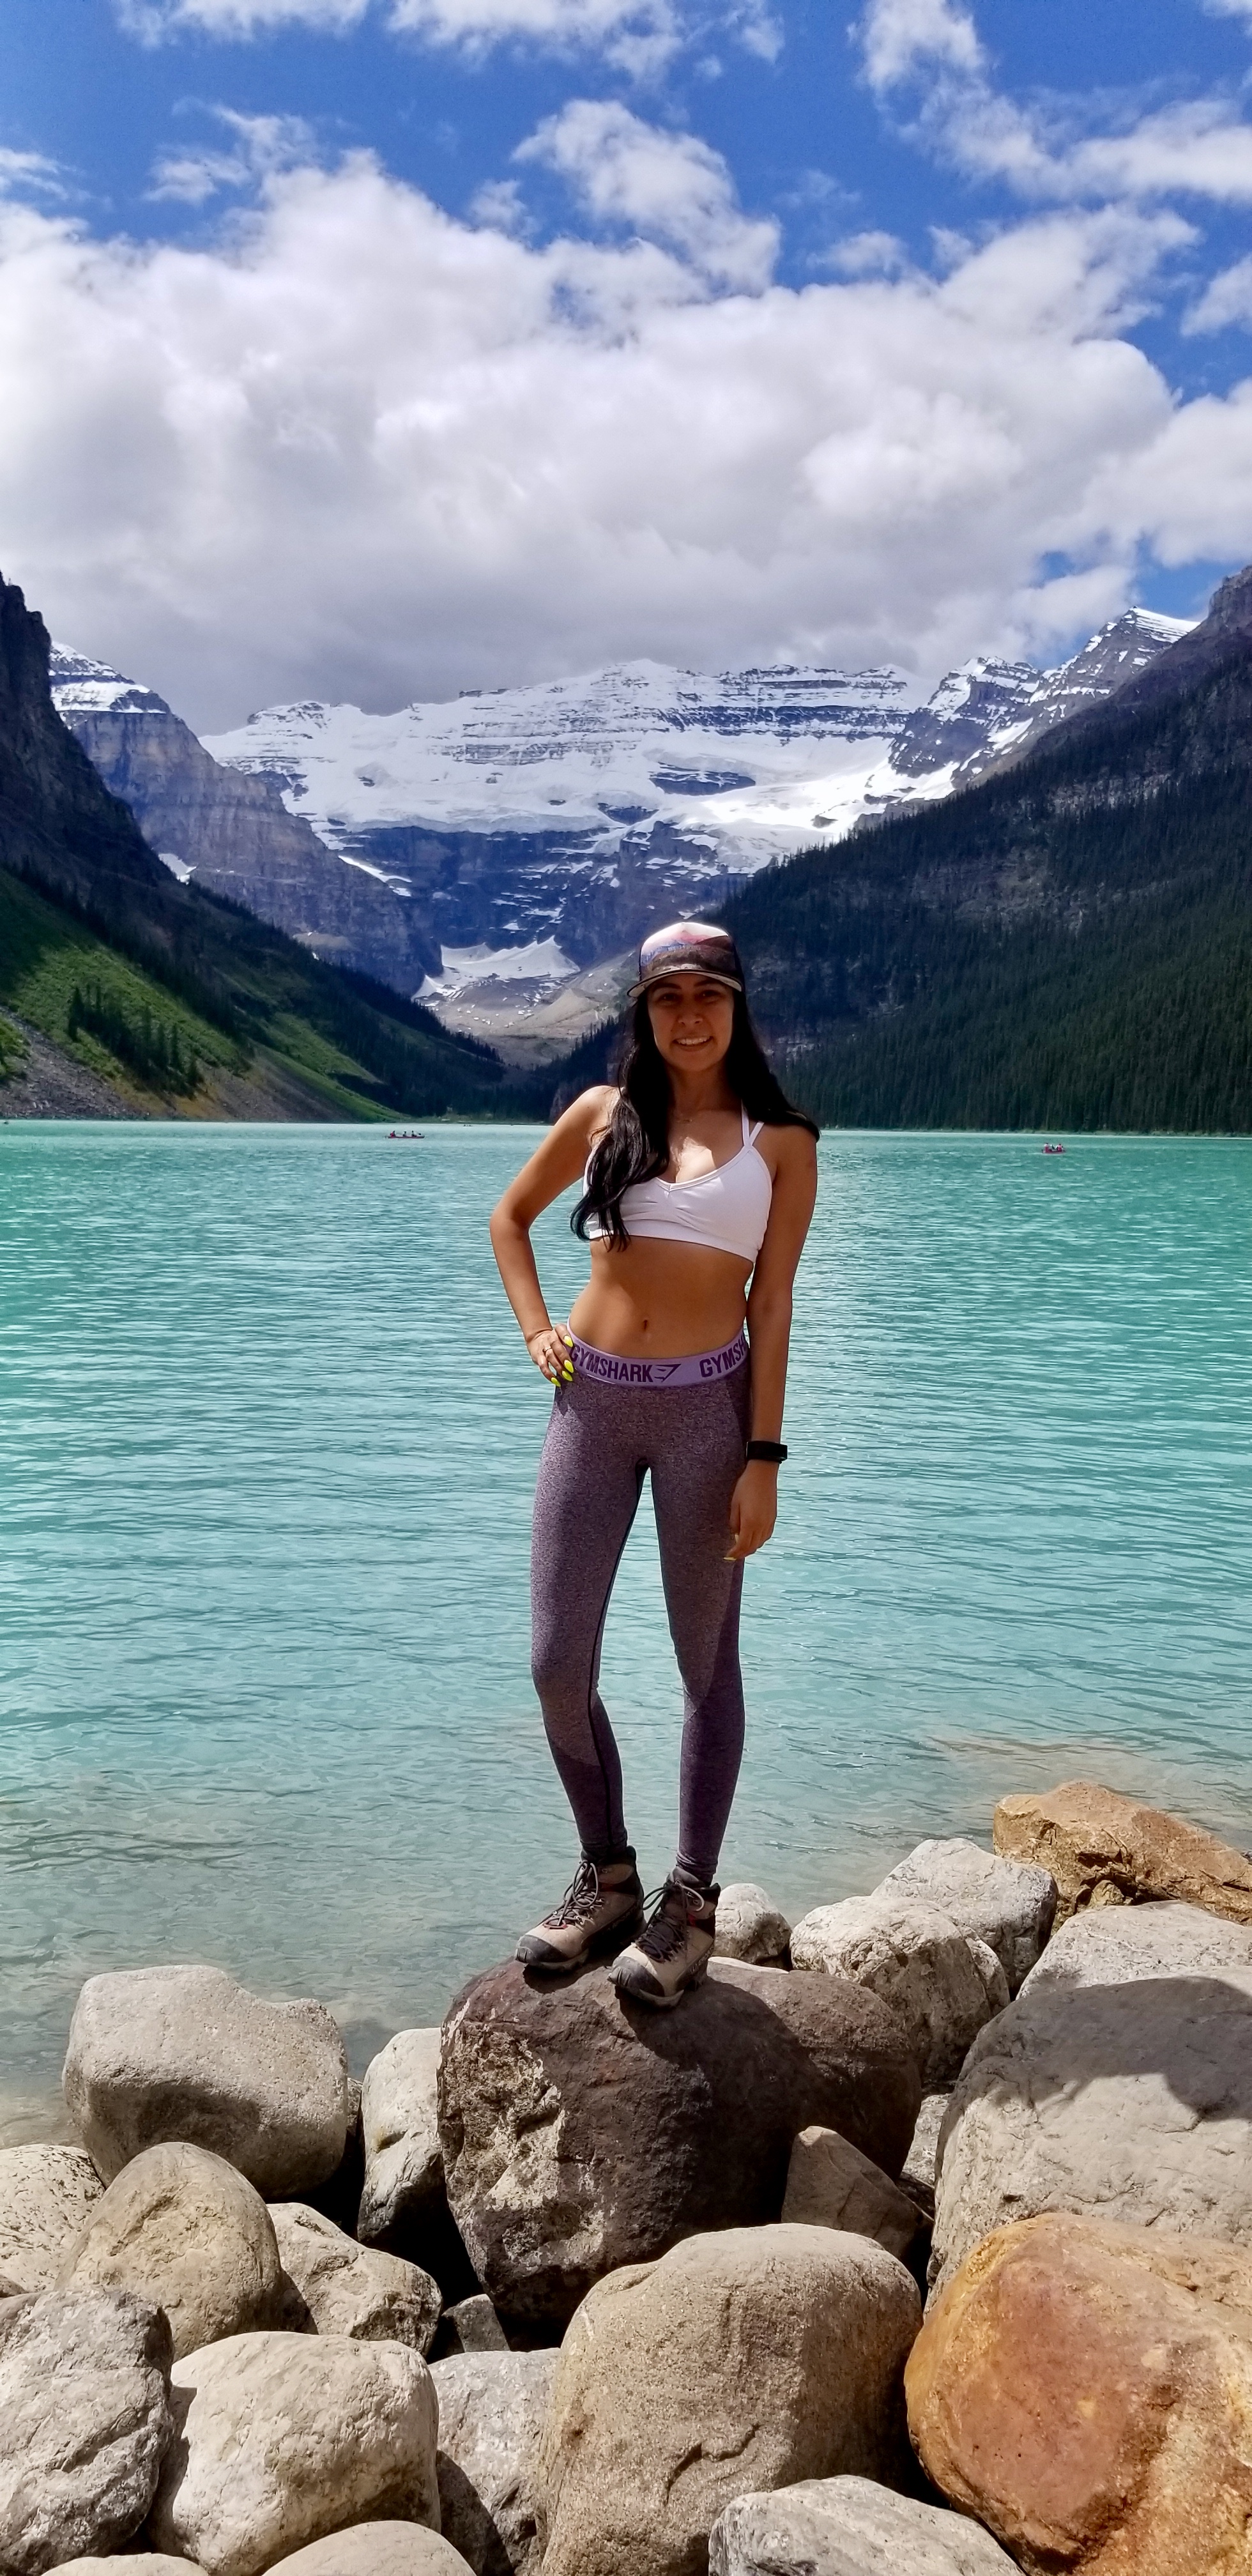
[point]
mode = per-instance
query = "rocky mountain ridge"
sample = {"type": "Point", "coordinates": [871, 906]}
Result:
{"type": "Point", "coordinates": [500, 854]}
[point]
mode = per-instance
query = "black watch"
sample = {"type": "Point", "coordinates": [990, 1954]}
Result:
{"type": "Point", "coordinates": [772, 1452]}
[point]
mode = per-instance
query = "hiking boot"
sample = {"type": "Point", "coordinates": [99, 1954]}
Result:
{"type": "Point", "coordinates": [600, 1909]}
{"type": "Point", "coordinates": [674, 1950]}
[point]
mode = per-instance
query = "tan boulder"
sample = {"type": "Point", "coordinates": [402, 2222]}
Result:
{"type": "Point", "coordinates": [342, 2288]}
{"type": "Point", "coordinates": [374, 2549]}
{"type": "Point", "coordinates": [1103, 1849]}
{"type": "Point", "coordinates": [400, 2128]}
{"type": "Point", "coordinates": [45, 2195]}
{"type": "Point", "coordinates": [750, 1925]}
{"type": "Point", "coordinates": [831, 2184]}
{"type": "Point", "coordinates": [149, 2565]}
{"type": "Point", "coordinates": [85, 2421]}
{"type": "Point", "coordinates": [942, 1984]}
{"type": "Point", "coordinates": [161, 2053]}
{"type": "Point", "coordinates": [1085, 2389]}
{"type": "Point", "coordinates": [744, 2359]}
{"type": "Point", "coordinates": [182, 2228]}
{"type": "Point", "coordinates": [282, 2439]}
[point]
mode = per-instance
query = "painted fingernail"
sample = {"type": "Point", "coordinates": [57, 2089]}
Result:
{"type": "Point", "coordinates": [569, 1341]}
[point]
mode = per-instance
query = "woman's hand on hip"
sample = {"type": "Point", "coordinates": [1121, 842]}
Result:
{"type": "Point", "coordinates": [753, 1510]}
{"type": "Point", "coordinates": [551, 1349]}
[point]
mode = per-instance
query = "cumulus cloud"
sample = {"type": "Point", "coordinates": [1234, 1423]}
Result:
{"type": "Point", "coordinates": [29, 173]}
{"type": "Point", "coordinates": [361, 448]}
{"type": "Point", "coordinates": [671, 187]}
{"type": "Point", "coordinates": [1199, 148]}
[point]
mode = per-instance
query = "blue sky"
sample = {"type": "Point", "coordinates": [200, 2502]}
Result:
{"type": "Point", "coordinates": [382, 347]}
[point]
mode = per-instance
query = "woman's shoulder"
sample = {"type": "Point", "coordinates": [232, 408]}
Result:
{"type": "Point", "coordinates": [591, 1111]}
{"type": "Point", "coordinates": [789, 1149]}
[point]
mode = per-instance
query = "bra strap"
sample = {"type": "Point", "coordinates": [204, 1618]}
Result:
{"type": "Point", "coordinates": [744, 1117]}
{"type": "Point", "coordinates": [751, 1133]}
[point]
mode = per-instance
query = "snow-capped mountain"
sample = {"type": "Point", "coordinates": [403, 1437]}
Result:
{"type": "Point", "coordinates": [500, 853]}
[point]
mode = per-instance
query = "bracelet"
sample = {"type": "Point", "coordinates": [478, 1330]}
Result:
{"type": "Point", "coordinates": [772, 1452]}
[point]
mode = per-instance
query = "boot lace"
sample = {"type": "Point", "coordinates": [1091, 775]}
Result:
{"type": "Point", "coordinates": [667, 1931]}
{"type": "Point", "coordinates": [580, 1899]}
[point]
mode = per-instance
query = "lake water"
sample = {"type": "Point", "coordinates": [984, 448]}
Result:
{"type": "Point", "coordinates": [267, 1445]}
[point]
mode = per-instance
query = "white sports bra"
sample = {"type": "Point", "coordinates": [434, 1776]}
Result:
{"type": "Point", "coordinates": [725, 1210]}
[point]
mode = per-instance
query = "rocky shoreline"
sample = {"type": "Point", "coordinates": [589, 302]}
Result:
{"type": "Point", "coordinates": [919, 2239]}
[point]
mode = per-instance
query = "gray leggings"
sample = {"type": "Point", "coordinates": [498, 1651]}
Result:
{"type": "Point", "coordinates": [602, 1441]}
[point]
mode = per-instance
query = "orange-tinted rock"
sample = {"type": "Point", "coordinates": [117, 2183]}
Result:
{"type": "Point", "coordinates": [1103, 1849]}
{"type": "Point", "coordinates": [1086, 2390]}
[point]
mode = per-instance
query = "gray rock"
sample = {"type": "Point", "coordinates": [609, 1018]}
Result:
{"type": "Point", "coordinates": [282, 2439]}
{"type": "Point", "coordinates": [751, 1977]}
{"type": "Point", "coordinates": [1116, 1944]}
{"type": "Point", "coordinates": [1130, 2102]}
{"type": "Point", "coordinates": [492, 2407]}
{"type": "Point", "coordinates": [849, 2527]}
{"type": "Point", "coordinates": [343, 2288]}
{"type": "Point", "coordinates": [831, 2184]}
{"type": "Point", "coordinates": [1009, 1904]}
{"type": "Point", "coordinates": [471, 2326]}
{"type": "Point", "coordinates": [159, 2053]}
{"type": "Point", "coordinates": [149, 2565]}
{"type": "Point", "coordinates": [942, 1983]}
{"type": "Point", "coordinates": [749, 1925]}
{"type": "Point", "coordinates": [400, 2126]}
{"type": "Point", "coordinates": [45, 2194]}
{"type": "Point", "coordinates": [181, 2227]}
{"type": "Point", "coordinates": [375, 2549]}
{"type": "Point", "coordinates": [743, 2360]}
{"type": "Point", "coordinates": [579, 2135]}
{"type": "Point", "coordinates": [85, 2421]}
{"type": "Point", "coordinates": [917, 2174]}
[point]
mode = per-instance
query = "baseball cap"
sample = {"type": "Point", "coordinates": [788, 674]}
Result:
{"type": "Point", "coordinates": [688, 948]}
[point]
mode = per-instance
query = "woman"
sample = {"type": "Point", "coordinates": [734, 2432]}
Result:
{"type": "Point", "coordinates": [697, 1177]}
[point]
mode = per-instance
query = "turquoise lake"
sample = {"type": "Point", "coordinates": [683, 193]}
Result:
{"type": "Point", "coordinates": [267, 1443]}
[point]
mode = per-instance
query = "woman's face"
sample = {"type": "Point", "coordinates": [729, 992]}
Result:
{"type": "Point", "coordinates": [692, 1017]}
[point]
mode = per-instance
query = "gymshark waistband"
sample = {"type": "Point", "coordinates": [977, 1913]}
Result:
{"type": "Point", "coordinates": [700, 1368]}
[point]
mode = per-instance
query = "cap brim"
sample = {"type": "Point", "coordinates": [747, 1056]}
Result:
{"type": "Point", "coordinates": [662, 974]}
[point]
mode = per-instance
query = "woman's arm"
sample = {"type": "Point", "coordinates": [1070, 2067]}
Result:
{"type": "Point", "coordinates": [553, 1165]}
{"type": "Point", "coordinates": [754, 1505]}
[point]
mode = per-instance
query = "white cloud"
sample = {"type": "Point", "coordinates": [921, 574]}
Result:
{"type": "Point", "coordinates": [640, 36]}
{"type": "Point", "coordinates": [360, 448]}
{"type": "Point", "coordinates": [1198, 148]}
{"type": "Point", "coordinates": [261, 146]}
{"type": "Point", "coordinates": [671, 187]}
{"type": "Point", "coordinates": [904, 37]}
{"type": "Point", "coordinates": [1226, 300]}
{"type": "Point", "coordinates": [867, 254]}
{"type": "Point", "coordinates": [29, 173]}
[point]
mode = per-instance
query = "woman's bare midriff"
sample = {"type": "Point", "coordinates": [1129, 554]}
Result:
{"type": "Point", "coordinates": [661, 1301]}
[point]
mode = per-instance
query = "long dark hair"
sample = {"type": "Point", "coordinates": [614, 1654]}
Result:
{"type": "Point", "coordinates": [635, 1145]}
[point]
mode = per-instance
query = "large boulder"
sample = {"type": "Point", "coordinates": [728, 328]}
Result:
{"type": "Point", "coordinates": [1086, 2390]}
{"type": "Point", "coordinates": [848, 2527]}
{"type": "Point", "coordinates": [942, 1983]}
{"type": "Point", "coordinates": [342, 2288]}
{"type": "Point", "coordinates": [749, 1925]}
{"type": "Point", "coordinates": [181, 2227]}
{"type": "Point", "coordinates": [400, 2127]}
{"type": "Point", "coordinates": [281, 2439]}
{"type": "Point", "coordinates": [85, 2421]}
{"type": "Point", "coordinates": [1114, 1945]}
{"type": "Point", "coordinates": [45, 2194]}
{"type": "Point", "coordinates": [1131, 2102]}
{"type": "Point", "coordinates": [1009, 1904]}
{"type": "Point", "coordinates": [374, 2549]}
{"type": "Point", "coordinates": [1103, 1849]}
{"type": "Point", "coordinates": [159, 2053]}
{"type": "Point", "coordinates": [918, 2171]}
{"type": "Point", "coordinates": [580, 2134]}
{"type": "Point", "coordinates": [831, 2184]}
{"type": "Point", "coordinates": [746, 2359]}
{"type": "Point", "coordinates": [492, 2407]}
